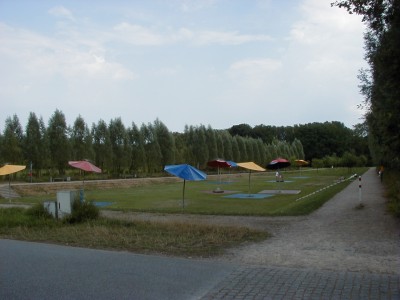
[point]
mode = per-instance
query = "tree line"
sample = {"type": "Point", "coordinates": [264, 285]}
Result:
{"type": "Point", "coordinates": [146, 149]}
{"type": "Point", "coordinates": [118, 149]}
{"type": "Point", "coordinates": [380, 83]}
{"type": "Point", "coordinates": [319, 140]}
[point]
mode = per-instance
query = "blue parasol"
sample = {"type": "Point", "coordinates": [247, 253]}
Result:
{"type": "Point", "coordinates": [186, 172]}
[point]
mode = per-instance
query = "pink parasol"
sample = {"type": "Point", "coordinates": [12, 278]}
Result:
{"type": "Point", "coordinates": [85, 166]}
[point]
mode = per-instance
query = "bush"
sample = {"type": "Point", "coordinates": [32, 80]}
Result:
{"type": "Point", "coordinates": [82, 211]}
{"type": "Point", "coordinates": [39, 211]}
{"type": "Point", "coordinates": [392, 184]}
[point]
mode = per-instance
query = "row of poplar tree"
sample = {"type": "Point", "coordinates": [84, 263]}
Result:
{"type": "Point", "coordinates": [118, 149]}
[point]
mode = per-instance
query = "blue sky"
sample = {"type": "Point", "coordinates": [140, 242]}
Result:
{"type": "Point", "coordinates": [211, 62]}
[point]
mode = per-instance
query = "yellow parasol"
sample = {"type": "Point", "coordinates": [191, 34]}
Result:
{"type": "Point", "coordinates": [251, 166]}
{"type": "Point", "coordinates": [10, 169]}
{"type": "Point", "coordinates": [301, 162]}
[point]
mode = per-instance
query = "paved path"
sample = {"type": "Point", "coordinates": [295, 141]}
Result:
{"type": "Point", "coordinates": [338, 252]}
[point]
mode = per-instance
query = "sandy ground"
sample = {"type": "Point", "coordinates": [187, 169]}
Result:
{"type": "Point", "coordinates": [338, 236]}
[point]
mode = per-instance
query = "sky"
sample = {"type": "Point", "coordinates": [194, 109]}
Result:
{"type": "Point", "coordinates": [185, 62]}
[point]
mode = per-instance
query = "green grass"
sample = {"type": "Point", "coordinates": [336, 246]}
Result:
{"type": "Point", "coordinates": [167, 197]}
{"type": "Point", "coordinates": [176, 238]}
{"type": "Point", "coordinates": [144, 237]}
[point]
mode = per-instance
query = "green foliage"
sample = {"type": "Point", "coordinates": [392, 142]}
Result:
{"type": "Point", "coordinates": [145, 237]}
{"type": "Point", "coordinates": [16, 217]}
{"type": "Point", "coordinates": [82, 212]}
{"type": "Point", "coordinates": [391, 181]}
{"type": "Point", "coordinates": [102, 145]}
{"type": "Point", "coordinates": [81, 140]}
{"type": "Point", "coordinates": [33, 143]}
{"type": "Point", "coordinates": [38, 211]}
{"type": "Point", "coordinates": [119, 150]}
{"type": "Point", "coordinates": [308, 141]}
{"type": "Point", "coordinates": [166, 143]}
{"type": "Point", "coordinates": [380, 84]}
{"type": "Point", "coordinates": [119, 145]}
{"type": "Point", "coordinates": [12, 147]}
{"type": "Point", "coordinates": [59, 145]}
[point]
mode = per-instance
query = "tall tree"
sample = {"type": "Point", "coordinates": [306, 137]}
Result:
{"type": "Point", "coordinates": [242, 148]}
{"type": "Point", "coordinates": [166, 142]}
{"type": "Point", "coordinates": [381, 85]}
{"type": "Point", "coordinates": [12, 144]}
{"type": "Point", "coordinates": [81, 140]}
{"type": "Point", "coordinates": [199, 146]}
{"type": "Point", "coordinates": [138, 153]}
{"type": "Point", "coordinates": [102, 145]}
{"type": "Point", "coordinates": [45, 145]}
{"type": "Point", "coordinates": [152, 148]}
{"type": "Point", "coordinates": [227, 142]}
{"type": "Point", "coordinates": [235, 149]}
{"type": "Point", "coordinates": [119, 146]}
{"type": "Point", "coordinates": [58, 141]}
{"type": "Point", "coordinates": [34, 143]}
{"type": "Point", "coordinates": [211, 143]}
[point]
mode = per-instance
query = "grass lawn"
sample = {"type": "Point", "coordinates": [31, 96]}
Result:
{"type": "Point", "coordinates": [141, 237]}
{"type": "Point", "coordinates": [175, 238]}
{"type": "Point", "coordinates": [199, 198]}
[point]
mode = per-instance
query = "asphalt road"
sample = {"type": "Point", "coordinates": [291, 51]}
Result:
{"type": "Point", "coordinates": [42, 271]}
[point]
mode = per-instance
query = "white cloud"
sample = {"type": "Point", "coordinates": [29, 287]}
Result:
{"type": "Point", "coordinates": [138, 35]}
{"type": "Point", "coordinates": [256, 64]}
{"type": "Point", "coordinates": [142, 36]}
{"type": "Point", "coordinates": [46, 56]}
{"type": "Point", "coordinates": [227, 38]}
{"type": "Point", "coordinates": [195, 5]}
{"type": "Point", "coordinates": [141, 60]}
{"type": "Point", "coordinates": [61, 11]}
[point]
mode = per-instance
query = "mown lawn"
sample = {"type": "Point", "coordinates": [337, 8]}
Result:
{"type": "Point", "coordinates": [199, 198]}
{"type": "Point", "coordinates": [178, 238]}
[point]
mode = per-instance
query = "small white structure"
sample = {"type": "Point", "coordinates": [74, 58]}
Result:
{"type": "Point", "coordinates": [63, 205]}
{"type": "Point", "coordinates": [64, 202]}
{"type": "Point", "coordinates": [51, 207]}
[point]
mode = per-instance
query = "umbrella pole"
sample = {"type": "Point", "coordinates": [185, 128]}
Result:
{"type": "Point", "coordinates": [249, 182]}
{"type": "Point", "coordinates": [183, 194]}
{"type": "Point", "coordinates": [9, 188]}
{"type": "Point", "coordinates": [82, 196]}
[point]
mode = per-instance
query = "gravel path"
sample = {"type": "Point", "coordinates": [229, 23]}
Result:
{"type": "Point", "coordinates": [336, 237]}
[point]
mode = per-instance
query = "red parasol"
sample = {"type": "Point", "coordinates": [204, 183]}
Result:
{"type": "Point", "coordinates": [219, 163]}
{"type": "Point", "coordinates": [278, 163]}
{"type": "Point", "coordinates": [85, 166]}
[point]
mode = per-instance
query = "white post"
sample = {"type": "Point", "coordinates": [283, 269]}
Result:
{"type": "Point", "coordinates": [359, 189]}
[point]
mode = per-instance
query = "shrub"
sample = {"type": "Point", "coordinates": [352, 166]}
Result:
{"type": "Point", "coordinates": [81, 212]}
{"type": "Point", "coordinates": [39, 211]}
{"type": "Point", "coordinates": [392, 184]}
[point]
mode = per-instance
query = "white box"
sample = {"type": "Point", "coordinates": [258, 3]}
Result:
{"type": "Point", "coordinates": [64, 202]}
{"type": "Point", "coordinates": [51, 207]}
